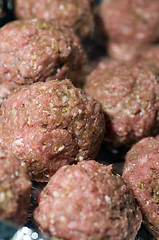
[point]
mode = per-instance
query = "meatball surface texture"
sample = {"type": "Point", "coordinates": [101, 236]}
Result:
{"type": "Point", "coordinates": [88, 201]}
{"type": "Point", "coordinates": [76, 14]}
{"type": "Point", "coordinates": [141, 173]}
{"type": "Point", "coordinates": [32, 50]}
{"type": "Point", "coordinates": [131, 20]}
{"type": "Point", "coordinates": [126, 52]}
{"type": "Point", "coordinates": [129, 94]}
{"type": "Point", "coordinates": [51, 124]}
{"type": "Point", "coordinates": [14, 188]}
{"type": "Point", "coordinates": [135, 52]}
{"type": "Point", "coordinates": [151, 55]}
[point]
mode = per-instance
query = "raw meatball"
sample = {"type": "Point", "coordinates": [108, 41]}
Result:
{"type": "Point", "coordinates": [76, 14]}
{"type": "Point", "coordinates": [51, 124]}
{"type": "Point", "coordinates": [133, 52]}
{"type": "Point", "coordinates": [14, 188]}
{"type": "Point", "coordinates": [88, 201]}
{"type": "Point", "coordinates": [32, 50]}
{"type": "Point", "coordinates": [131, 20]}
{"type": "Point", "coordinates": [126, 52]}
{"type": "Point", "coordinates": [151, 54]}
{"type": "Point", "coordinates": [130, 98]}
{"type": "Point", "coordinates": [141, 172]}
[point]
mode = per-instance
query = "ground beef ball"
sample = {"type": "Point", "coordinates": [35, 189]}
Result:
{"type": "Point", "coordinates": [51, 124]}
{"type": "Point", "coordinates": [32, 50]}
{"type": "Point", "coordinates": [141, 172]}
{"type": "Point", "coordinates": [76, 14]}
{"type": "Point", "coordinates": [130, 98]}
{"type": "Point", "coordinates": [131, 52]}
{"type": "Point", "coordinates": [131, 20]}
{"type": "Point", "coordinates": [126, 52]}
{"type": "Point", "coordinates": [14, 188]}
{"type": "Point", "coordinates": [99, 204]}
{"type": "Point", "coordinates": [151, 54]}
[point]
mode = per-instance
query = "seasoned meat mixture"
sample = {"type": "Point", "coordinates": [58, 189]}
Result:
{"type": "Point", "coordinates": [141, 173]}
{"type": "Point", "coordinates": [76, 14]}
{"type": "Point", "coordinates": [32, 50]}
{"type": "Point", "coordinates": [129, 94]}
{"type": "Point", "coordinates": [88, 201]}
{"type": "Point", "coordinates": [131, 20]}
{"type": "Point", "coordinates": [51, 124]}
{"type": "Point", "coordinates": [14, 188]}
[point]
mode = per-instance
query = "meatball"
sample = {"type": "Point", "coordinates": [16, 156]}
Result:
{"type": "Point", "coordinates": [151, 54]}
{"type": "Point", "coordinates": [99, 204]}
{"type": "Point", "coordinates": [5, 91]}
{"type": "Point", "coordinates": [129, 94]}
{"type": "Point", "coordinates": [131, 20]}
{"type": "Point", "coordinates": [14, 188]}
{"type": "Point", "coordinates": [126, 52]}
{"type": "Point", "coordinates": [133, 52]}
{"type": "Point", "coordinates": [141, 173]}
{"type": "Point", "coordinates": [51, 124]}
{"type": "Point", "coordinates": [32, 50]}
{"type": "Point", "coordinates": [75, 14]}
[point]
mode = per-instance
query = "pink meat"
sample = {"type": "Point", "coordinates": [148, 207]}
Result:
{"type": "Point", "coordinates": [51, 124]}
{"type": "Point", "coordinates": [141, 173]}
{"type": "Point", "coordinates": [32, 50]}
{"type": "Point", "coordinates": [88, 201]}
{"type": "Point", "coordinates": [129, 97]}
{"type": "Point", "coordinates": [131, 20]}
{"type": "Point", "coordinates": [75, 14]}
{"type": "Point", "coordinates": [14, 188]}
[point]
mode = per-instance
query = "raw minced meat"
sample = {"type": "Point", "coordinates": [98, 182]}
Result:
{"type": "Point", "coordinates": [76, 14]}
{"type": "Point", "coordinates": [141, 173]}
{"type": "Point", "coordinates": [14, 188]}
{"type": "Point", "coordinates": [131, 20]}
{"type": "Point", "coordinates": [32, 50]}
{"type": "Point", "coordinates": [88, 201]}
{"type": "Point", "coordinates": [51, 124]}
{"type": "Point", "coordinates": [129, 94]}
